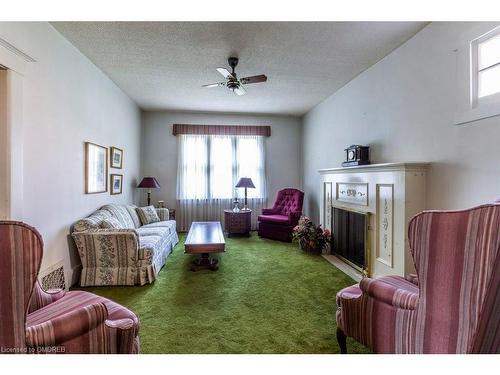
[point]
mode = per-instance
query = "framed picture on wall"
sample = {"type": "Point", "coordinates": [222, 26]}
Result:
{"type": "Point", "coordinates": [116, 184]}
{"type": "Point", "coordinates": [96, 168]}
{"type": "Point", "coordinates": [116, 157]}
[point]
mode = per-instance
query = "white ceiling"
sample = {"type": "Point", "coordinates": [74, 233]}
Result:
{"type": "Point", "coordinates": [162, 65]}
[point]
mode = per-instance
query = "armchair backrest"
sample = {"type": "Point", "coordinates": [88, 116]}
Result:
{"type": "Point", "coordinates": [289, 200]}
{"type": "Point", "coordinates": [21, 249]}
{"type": "Point", "coordinates": [457, 258]}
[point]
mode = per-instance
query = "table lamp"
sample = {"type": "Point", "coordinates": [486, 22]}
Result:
{"type": "Point", "coordinates": [149, 183]}
{"type": "Point", "coordinates": [245, 182]}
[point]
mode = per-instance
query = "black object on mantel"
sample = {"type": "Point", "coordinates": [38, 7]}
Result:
{"type": "Point", "coordinates": [356, 155]}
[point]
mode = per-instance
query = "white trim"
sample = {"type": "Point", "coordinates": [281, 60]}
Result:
{"type": "Point", "coordinates": [16, 50]}
{"type": "Point", "coordinates": [13, 58]}
{"type": "Point", "coordinates": [409, 166]}
{"type": "Point", "coordinates": [481, 112]}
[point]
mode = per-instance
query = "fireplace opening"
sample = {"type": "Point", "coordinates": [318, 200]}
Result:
{"type": "Point", "coordinates": [349, 237]}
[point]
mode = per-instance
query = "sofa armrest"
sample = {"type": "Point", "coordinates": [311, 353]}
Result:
{"type": "Point", "coordinates": [67, 326]}
{"type": "Point", "coordinates": [163, 213]}
{"type": "Point", "coordinates": [268, 211]}
{"type": "Point", "coordinates": [389, 294]}
{"type": "Point", "coordinates": [41, 298]}
{"type": "Point", "coordinates": [115, 248]}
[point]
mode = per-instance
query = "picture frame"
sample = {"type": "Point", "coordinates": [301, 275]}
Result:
{"type": "Point", "coordinates": [116, 184]}
{"type": "Point", "coordinates": [116, 157]}
{"type": "Point", "coordinates": [96, 168]}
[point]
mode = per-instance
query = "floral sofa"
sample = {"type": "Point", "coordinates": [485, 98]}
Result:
{"type": "Point", "coordinates": [130, 255]}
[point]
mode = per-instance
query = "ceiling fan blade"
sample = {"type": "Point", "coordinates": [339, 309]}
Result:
{"type": "Point", "coordinates": [240, 91]}
{"type": "Point", "coordinates": [225, 73]}
{"type": "Point", "coordinates": [215, 84]}
{"type": "Point", "coordinates": [253, 79]}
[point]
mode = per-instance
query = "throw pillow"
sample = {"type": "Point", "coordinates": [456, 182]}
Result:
{"type": "Point", "coordinates": [147, 215]}
{"type": "Point", "coordinates": [111, 223]}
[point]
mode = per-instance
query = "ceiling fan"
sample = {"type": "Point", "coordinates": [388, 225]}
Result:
{"type": "Point", "coordinates": [232, 82]}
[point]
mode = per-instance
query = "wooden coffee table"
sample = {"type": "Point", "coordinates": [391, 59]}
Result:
{"type": "Point", "coordinates": [204, 238]}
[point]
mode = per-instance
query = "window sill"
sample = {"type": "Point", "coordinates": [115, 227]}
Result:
{"type": "Point", "coordinates": [483, 111]}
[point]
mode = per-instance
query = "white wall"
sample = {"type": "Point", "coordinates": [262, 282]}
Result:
{"type": "Point", "coordinates": [67, 101]}
{"type": "Point", "coordinates": [159, 149]}
{"type": "Point", "coordinates": [403, 107]}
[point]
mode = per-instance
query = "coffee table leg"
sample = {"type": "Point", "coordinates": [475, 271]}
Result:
{"type": "Point", "coordinates": [205, 262]}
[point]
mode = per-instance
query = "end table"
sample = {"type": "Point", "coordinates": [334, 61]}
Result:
{"type": "Point", "coordinates": [237, 222]}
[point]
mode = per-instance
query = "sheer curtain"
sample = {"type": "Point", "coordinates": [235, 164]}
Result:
{"type": "Point", "coordinates": [209, 166]}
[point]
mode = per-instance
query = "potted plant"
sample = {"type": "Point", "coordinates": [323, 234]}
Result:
{"type": "Point", "coordinates": [311, 238]}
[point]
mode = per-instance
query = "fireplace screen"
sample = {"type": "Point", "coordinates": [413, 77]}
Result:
{"type": "Point", "coordinates": [349, 236]}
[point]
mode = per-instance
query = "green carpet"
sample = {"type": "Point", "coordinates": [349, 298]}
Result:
{"type": "Point", "coordinates": [266, 297]}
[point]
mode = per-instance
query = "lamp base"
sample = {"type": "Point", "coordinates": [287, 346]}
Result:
{"type": "Point", "coordinates": [245, 209]}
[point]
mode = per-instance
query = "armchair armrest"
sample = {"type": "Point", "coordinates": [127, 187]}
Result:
{"type": "Point", "coordinates": [163, 213]}
{"type": "Point", "coordinates": [41, 298]}
{"type": "Point", "coordinates": [389, 294]}
{"type": "Point", "coordinates": [65, 327]}
{"type": "Point", "coordinates": [108, 247]}
{"type": "Point", "coordinates": [412, 278]}
{"type": "Point", "coordinates": [268, 211]}
{"type": "Point", "coordinates": [294, 217]}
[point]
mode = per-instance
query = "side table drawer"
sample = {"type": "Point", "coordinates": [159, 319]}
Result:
{"type": "Point", "coordinates": [237, 222]}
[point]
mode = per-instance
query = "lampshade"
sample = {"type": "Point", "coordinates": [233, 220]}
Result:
{"type": "Point", "coordinates": [149, 182]}
{"type": "Point", "coordinates": [245, 182]}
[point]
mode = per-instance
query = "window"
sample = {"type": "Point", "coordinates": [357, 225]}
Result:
{"type": "Point", "coordinates": [211, 165]}
{"type": "Point", "coordinates": [485, 66]}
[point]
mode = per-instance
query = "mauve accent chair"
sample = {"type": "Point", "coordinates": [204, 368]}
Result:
{"type": "Point", "coordinates": [278, 222]}
{"type": "Point", "coordinates": [452, 305]}
{"type": "Point", "coordinates": [36, 321]}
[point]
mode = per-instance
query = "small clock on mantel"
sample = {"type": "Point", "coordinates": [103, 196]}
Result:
{"type": "Point", "coordinates": [356, 155]}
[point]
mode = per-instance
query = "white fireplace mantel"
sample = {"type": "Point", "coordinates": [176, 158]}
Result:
{"type": "Point", "coordinates": [385, 167]}
{"type": "Point", "coordinates": [391, 194]}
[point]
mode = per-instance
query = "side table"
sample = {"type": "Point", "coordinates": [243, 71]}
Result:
{"type": "Point", "coordinates": [237, 222]}
{"type": "Point", "coordinates": [171, 214]}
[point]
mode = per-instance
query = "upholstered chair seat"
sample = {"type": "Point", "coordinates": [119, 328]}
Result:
{"type": "Point", "coordinates": [278, 222]}
{"type": "Point", "coordinates": [281, 219]}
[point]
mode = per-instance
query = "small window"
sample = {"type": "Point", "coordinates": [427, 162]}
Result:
{"type": "Point", "coordinates": [485, 64]}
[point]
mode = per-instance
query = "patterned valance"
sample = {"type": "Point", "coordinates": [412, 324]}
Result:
{"type": "Point", "coordinates": [264, 131]}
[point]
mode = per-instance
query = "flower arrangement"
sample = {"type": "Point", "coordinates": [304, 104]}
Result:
{"type": "Point", "coordinates": [311, 238]}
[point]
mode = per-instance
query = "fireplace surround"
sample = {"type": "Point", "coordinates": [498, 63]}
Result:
{"type": "Point", "coordinates": [388, 195]}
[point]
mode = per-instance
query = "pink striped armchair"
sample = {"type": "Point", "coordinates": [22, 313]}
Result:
{"type": "Point", "coordinates": [35, 321]}
{"type": "Point", "coordinates": [452, 306]}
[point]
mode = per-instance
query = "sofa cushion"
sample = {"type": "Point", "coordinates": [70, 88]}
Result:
{"type": "Point", "coordinates": [91, 222]}
{"type": "Point", "coordinates": [170, 224]}
{"type": "Point", "coordinates": [120, 212]}
{"type": "Point", "coordinates": [147, 215]}
{"type": "Point", "coordinates": [278, 219]}
{"type": "Point", "coordinates": [111, 223]}
{"type": "Point", "coordinates": [148, 244]}
{"type": "Point", "coordinates": [156, 231]}
{"type": "Point", "coordinates": [133, 215]}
